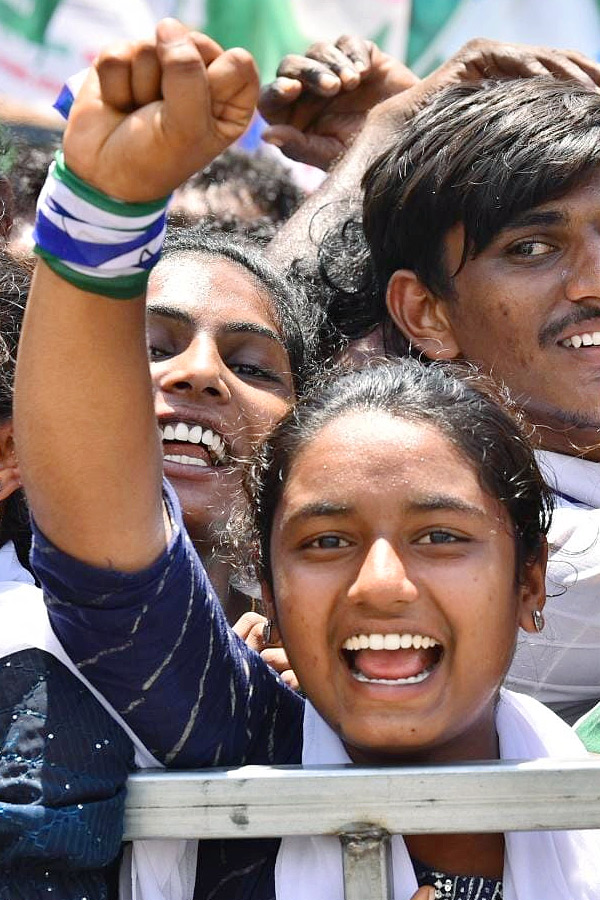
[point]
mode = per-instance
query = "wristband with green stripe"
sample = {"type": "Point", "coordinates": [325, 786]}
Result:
{"type": "Point", "coordinates": [97, 243]}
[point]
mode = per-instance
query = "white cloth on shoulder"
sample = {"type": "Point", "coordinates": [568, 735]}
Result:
{"type": "Point", "coordinates": [560, 865]}
{"type": "Point", "coordinates": [151, 870]}
{"type": "Point", "coordinates": [561, 665]}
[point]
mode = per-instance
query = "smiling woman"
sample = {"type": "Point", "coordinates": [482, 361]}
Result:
{"type": "Point", "coordinates": [399, 566]}
{"type": "Point", "coordinates": [231, 343]}
{"type": "Point", "coordinates": [409, 554]}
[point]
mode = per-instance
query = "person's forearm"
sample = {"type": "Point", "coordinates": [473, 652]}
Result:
{"type": "Point", "coordinates": [85, 428]}
{"type": "Point", "coordinates": [145, 117]}
{"type": "Point", "coordinates": [157, 640]}
{"type": "Point", "coordinates": [338, 198]}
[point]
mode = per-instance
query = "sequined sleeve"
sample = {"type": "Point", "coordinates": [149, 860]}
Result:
{"type": "Point", "coordinates": [156, 644]}
{"type": "Point", "coordinates": [63, 766]}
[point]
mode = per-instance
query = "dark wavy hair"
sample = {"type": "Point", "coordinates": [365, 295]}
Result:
{"type": "Point", "coordinates": [479, 154]}
{"type": "Point", "coordinates": [469, 410]}
{"type": "Point", "coordinates": [256, 177]}
{"type": "Point", "coordinates": [15, 281]}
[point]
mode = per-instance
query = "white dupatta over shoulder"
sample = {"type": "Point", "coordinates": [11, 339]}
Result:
{"type": "Point", "coordinates": [556, 865]}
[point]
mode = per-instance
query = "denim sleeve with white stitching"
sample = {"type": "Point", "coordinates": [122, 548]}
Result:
{"type": "Point", "coordinates": [157, 645]}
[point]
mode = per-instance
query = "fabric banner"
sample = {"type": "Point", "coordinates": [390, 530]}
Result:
{"type": "Point", "coordinates": [45, 41]}
{"type": "Point", "coordinates": [439, 27]}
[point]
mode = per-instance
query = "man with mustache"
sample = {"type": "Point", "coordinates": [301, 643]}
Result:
{"type": "Point", "coordinates": [483, 226]}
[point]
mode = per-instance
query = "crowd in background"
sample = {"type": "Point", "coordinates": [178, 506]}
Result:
{"type": "Point", "coordinates": [352, 516]}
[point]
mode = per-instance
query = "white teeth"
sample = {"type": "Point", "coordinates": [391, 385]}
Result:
{"type": "Point", "coordinates": [193, 461]}
{"type": "Point", "coordinates": [195, 434]}
{"type": "Point", "coordinates": [412, 679]}
{"type": "Point", "coordinates": [181, 431]}
{"type": "Point", "coordinates": [585, 339]}
{"type": "Point", "coordinates": [389, 642]}
{"type": "Point", "coordinates": [186, 460]}
{"type": "Point", "coordinates": [212, 440]}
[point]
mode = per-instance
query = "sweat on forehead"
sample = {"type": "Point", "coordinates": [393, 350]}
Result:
{"type": "Point", "coordinates": [480, 154]}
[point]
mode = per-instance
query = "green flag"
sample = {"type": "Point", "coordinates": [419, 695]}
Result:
{"type": "Point", "coordinates": [29, 19]}
{"type": "Point", "coordinates": [267, 28]}
{"type": "Point", "coordinates": [427, 19]}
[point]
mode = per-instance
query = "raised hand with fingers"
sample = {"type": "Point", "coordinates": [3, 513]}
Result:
{"type": "Point", "coordinates": [151, 114]}
{"type": "Point", "coordinates": [319, 101]}
{"type": "Point", "coordinates": [482, 58]}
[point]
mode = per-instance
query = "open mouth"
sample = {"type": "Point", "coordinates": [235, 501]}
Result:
{"type": "Point", "coordinates": [392, 659]}
{"type": "Point", "coordinates": [192, 445]}
{"type": "Point", "coordinates": [585, 339]}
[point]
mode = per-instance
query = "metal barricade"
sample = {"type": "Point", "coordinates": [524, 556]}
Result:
{"type": "Point", "coordinates": [364, 806]}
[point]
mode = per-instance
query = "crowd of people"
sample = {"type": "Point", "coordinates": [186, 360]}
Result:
{"type": "Point", "coordinates": [318, 489]}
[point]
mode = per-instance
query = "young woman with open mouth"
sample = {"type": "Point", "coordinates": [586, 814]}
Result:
{"type": "Point", "coordinates": [230, 344]}
{"type": "Point", "coordinates": [399, 514]}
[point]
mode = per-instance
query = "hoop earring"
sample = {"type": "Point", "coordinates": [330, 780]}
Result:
{"type": "Point", "coordinates": [267, 631]}
{"type": "Point", "coordinates": [538, 620]}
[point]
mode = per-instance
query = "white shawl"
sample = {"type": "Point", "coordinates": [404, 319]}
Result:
{"type": "Point", "coordinates": [561, 865]}
{"type": "Point", "coordinates": [561, 665]}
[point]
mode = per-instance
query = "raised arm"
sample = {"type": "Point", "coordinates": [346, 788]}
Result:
{"type": "Point", "coordinates": [318, 109]}
{"type": "Point", "coordinates": [147, 116]}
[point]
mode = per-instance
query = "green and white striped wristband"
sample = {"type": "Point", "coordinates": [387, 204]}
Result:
{"type": "Point", "coordinates": [101, 245]}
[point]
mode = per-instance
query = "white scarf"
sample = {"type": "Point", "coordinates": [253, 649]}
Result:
{"type": "Point", "coordinates": [151, 870]}
{"type": "Point", "coordinates": [575, 480]}
{"type": "Point", "coordinates": [562, 664]}
{"type": "Point", "coordinates": [561, 865]}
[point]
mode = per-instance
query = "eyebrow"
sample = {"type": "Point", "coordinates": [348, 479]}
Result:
{"type": "Point", "coordinates": [253, 328]}
{"type": "Point", "coordinates": [319, 509]}
{"type": "Point", "coordinates": [531, 219]}
{"type": "Point", "coordinates": [433, 503]}
{"type": "Point", "coordinates": [169, 312]}
{"type": "Point", "coordinates": [181, 315]}
{"type": "Point", "coordinates": [442, 502]}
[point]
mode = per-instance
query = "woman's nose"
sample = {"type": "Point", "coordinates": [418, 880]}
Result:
{"type": "Point", "coordinates": [197, 369]}
{"type": "Point", "coordinates": [383, 579]}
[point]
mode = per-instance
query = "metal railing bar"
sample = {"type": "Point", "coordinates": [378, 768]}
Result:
{"type": "Point", "coordinates": [367, 861]}
{"type": "Point", "coordinates": [259, 801]}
